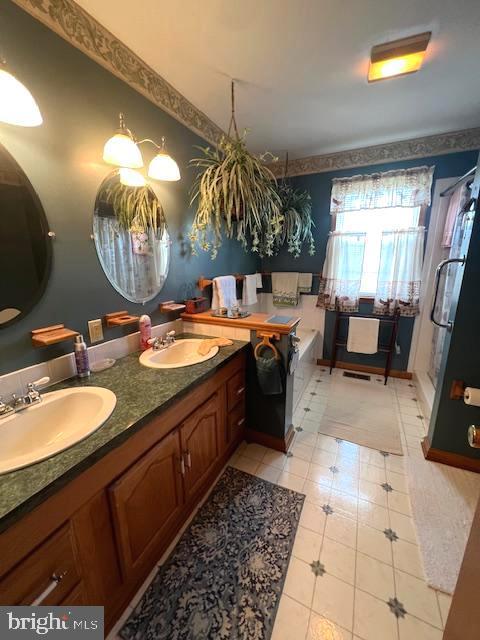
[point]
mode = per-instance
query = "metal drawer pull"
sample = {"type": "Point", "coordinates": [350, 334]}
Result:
{"type": "Point", "coordinates": [241, 390]}
{"type": "Point", "coordinates": [189, 459]}
{"type": "Point", "coordinates": [448, 325]}
{"type": "Point", "coordinates": [240, 422]}
{"type": "Point", "coordinates": [182, 466]}
{"type": "Point", "coordinates": [54, 582]}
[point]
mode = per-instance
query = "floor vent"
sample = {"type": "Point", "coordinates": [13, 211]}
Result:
{"type": "Point", "coordinates": [357, 376]}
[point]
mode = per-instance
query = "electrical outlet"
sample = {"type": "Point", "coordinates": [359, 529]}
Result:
{"type": "Point", "coordinates": [95, 330]}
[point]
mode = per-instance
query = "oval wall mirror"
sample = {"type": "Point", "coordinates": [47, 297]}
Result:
{"type": "Point", "coordinates": [131, 238]}
{"type": "Point", "coordinates": [25, 247]}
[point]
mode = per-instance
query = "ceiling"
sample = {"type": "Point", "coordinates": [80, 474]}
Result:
{"type": "Point", "coordinates": [300, 65]}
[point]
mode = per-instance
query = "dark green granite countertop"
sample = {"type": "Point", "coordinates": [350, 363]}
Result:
{"type": "Point", "coordinates": [141, 393]}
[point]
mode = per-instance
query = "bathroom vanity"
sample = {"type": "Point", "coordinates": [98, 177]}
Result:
{"type": "Point", "coordinates": [88, 525]}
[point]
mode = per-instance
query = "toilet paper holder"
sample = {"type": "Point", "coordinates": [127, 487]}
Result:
{"type": "Point", "coordinates": [460, 391]}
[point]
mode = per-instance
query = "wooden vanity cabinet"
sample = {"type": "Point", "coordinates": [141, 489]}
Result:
{"type": "Point", "coordinates": [108, 527]}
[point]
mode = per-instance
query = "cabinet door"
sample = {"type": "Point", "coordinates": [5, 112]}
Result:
{"type": "Point", "coordinates": [201, 437]}
{"type": "Point", "coordinates": [146, 502]}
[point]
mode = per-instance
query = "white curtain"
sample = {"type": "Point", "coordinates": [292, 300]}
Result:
{"type": "Point", "coordinates": [342, 272]}
{"type": "Point", "coordinates": [400, 188]}
{"type": "Point", "coordinates": [400, 272]}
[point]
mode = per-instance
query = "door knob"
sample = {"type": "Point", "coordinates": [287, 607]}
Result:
{"type": "Point", "coordinates": [474, 436]}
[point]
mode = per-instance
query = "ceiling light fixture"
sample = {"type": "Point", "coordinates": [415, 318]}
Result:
{"type": "Point", "coordinates": [122, 150]}
{"type": "Point", "coordinates": [17, 105]}
{"type": "Point", "coordinates": [398, 58]}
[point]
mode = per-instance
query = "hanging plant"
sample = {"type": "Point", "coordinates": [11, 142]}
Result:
{"type": "Point", "coordinates": [136, 208]}
{"type": "Point", "coordinates": [236, 196]}
{"type": "Point", "coordinates": [297, 225]}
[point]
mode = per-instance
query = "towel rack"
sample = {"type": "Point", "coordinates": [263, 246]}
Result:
{"type": "Point", "coordinates": [266, 337]}
{"type": "Point", "coordinates": [387, 349]}
{"type": "Point", "coordinates": [203, 283]}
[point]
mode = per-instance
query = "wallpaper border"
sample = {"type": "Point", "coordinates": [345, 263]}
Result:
{"type": "Point", "coordinates": [434, 145]}
{"type": "Point", "coordinates": [79, 28]}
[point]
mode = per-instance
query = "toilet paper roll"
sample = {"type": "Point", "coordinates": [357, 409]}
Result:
{"type": "Point", "coordinates": [472, 396]}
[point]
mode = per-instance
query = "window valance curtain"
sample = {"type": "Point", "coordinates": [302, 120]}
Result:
{"type": "Point", "coordinates": [342, 272]}
{"type": "Point", "coordinates": [399, 188]}
{"type": "Point", "coordinates": [400, 272]}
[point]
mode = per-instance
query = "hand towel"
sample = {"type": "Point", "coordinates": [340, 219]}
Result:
{"type": "Point", "coordinates": [363, 335]}
{"type": "Point", "coordinates": [304, 282]}
{"type": "Point", "coordinates": [207, 344]}
{"type": "Point", "coordinates": [249, 295]}
{"type": "Point", "coordinates": [224, 292]}
{"type": "Point", "coordinates": [259, 281]}
{"type": "Point", "coordinates": [285, 289]}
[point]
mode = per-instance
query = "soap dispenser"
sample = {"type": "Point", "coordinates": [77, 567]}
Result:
{"type": "Point", "coordinates": [81, 357]}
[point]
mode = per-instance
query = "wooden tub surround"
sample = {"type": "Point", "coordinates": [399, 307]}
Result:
{"type": "Point", "coordinates": [104, 531]}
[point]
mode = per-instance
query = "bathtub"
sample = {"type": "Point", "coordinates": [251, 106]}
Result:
{"type": "Point", "coordinates": [308, 348]}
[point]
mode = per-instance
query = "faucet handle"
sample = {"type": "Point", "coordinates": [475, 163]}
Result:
{"type": "Point", "coordinates": [171, 333]}
{"type": "Point", "coordinates": [41, 382]}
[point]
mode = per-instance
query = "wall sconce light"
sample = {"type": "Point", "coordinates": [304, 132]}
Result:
{"type": "Point", "coordinates": [17, 105]}
{"type": "Point", "coordinates": [398, 58]}
{"type": "Point", "coordinates": [122, 150]}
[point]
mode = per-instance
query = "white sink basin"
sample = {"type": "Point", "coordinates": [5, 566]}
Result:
{"type": "Point", "coordinates": [180, 354]}
{"type": "Point", "coordinates": [62, 419]}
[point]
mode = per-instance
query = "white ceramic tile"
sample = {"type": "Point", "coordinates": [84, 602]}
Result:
{"type": "Point", "coordinates": [413, 629]}
{"type": "Point", "coordinates": [327, 443]}
{"type": "Point", "coordinates": [303, 451]}
{"type": "Point", "coordinates": [300, 582]}
{"type": "Point", "coordinates": [399, 502]}
{"type": "Point", "coordinates": [9, 384]}
{"type": "Point", "coordinates": [345, 483]}
{"type": "Point", "coordinates": [246, 464]}
{"type": "Point", "coordinates": [313, 517]}
{"type": "Point", "coordinates": [341, 529]}
{"type": "Point", "coordinates": [291, 481]}
{"type": "Point", "coordinates": [291, 621]}
{"type": "Point", "coordinates": [417, 598]}
{"type": "Point", "coordinates": [338, 560]}
{"type": "Point", "coordinates": [297, 467]}
{"type": "Point", "coordinates": [62, 368]}
{"type": "Point", "coordinates": [406, 557]}
{"type": "Point", "coordinates": [274, 458]}
{"type": "Point", "coordinates": [373, 515]}
{"type": "Point", "coordinates": [349, 449]}
{"type": "Point", "coordinates": [31, 374]}
{"type": "Point", "coordinates": [242, 334]}
{"type": "Point", "coordinates": [444, 602]}
{"type": "Point", "coordinates": [344, 504]}
{"type": "Point", "coordinates": [403, 526]}
{"type": "Point", "coordinates": [324, 458]}
{"type": "Point", "coordinates": [305, 438]}
{"type": "Point", "coordinates": [372, 492]}
{"type": "Point", "coordinates": [373, 620]}
{"type": "Point", "coordinates": [316, 493]}
{"type": "Point", "coordinates": [372, 473]}
{"type": "Point", "coordinates": [375, 577]}
{"type": "Point", "coordinates": [320, 474]}
{"type": "Point", "coordinates": [255, 451]}
{"type": "Point", "coordinates": [373, 543]}
{"type": "Point", "coordinates": [333, 599]}
{"type": "Point", "coordinates": [307, 545]}
{"type": "Point", "coordinates": [321, 628]}
{"type": "Point", "coordinates": [395, 463]}
{"type": "Point", "coordinates": [267, 472]}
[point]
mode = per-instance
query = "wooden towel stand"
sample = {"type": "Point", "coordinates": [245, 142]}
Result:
{"type": "Point", "coordinates": [266, 337]}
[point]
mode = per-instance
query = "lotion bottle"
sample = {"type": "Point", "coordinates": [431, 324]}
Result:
{"type": "Point", "coordinates": [81, 357]}
{"type": "Point", "coordinates": [145, 325]}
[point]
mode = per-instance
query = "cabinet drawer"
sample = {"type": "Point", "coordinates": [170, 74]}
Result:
{"type": "Point", "coordinates": [49, 573]}
{"type": "Point", "coordinates": [236, 421]}
{"type": "Point", "coordinates": [236, 389]}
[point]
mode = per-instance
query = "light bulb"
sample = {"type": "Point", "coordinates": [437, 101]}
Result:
{"type": "Point", "coordinates": [17, 105]}
{"type": "Point", "coordinates": [121, 151]}
{"type": "Point", "coordinates": [164, 167]}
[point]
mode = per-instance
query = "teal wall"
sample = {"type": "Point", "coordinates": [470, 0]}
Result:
{"type": "Point", "coordinates": [80, 102]}
{"type": "Point", "coordinates": [319, 185]}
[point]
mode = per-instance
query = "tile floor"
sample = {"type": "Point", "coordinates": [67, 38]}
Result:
{"type": "Point", "coordinates": [355, 571]}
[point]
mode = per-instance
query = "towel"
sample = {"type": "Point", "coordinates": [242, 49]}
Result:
{"type": "Point", "coordinates": [224, 292]}
{"type": "Point", "coordinates": [457, 200]}
{"type": "Point", "coordinates": [304, 282]}
{"type": "Point", "coordinates": [363, 335]}
{"type": "Point", "coordinates": [207, 344]}
{"type": "Point", "coordinates": [285, 289]}
{"type": "Point", "coordinates": [250, 290]}
{"type": "Point", "coordinates": [259, 281]}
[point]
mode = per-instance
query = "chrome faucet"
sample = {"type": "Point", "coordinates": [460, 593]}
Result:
{"type": "Point", "coordinates": [19, 403]}
{"type": "Point", "coordinates": [159, 344]}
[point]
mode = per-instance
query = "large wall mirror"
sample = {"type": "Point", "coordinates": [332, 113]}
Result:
{"type": "Point", "coordinates": [131, 237]}
{"type": "Point", "coordinates": [25, 247]}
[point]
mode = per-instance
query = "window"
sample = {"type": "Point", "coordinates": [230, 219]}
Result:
{"type": "Point", "coordinates": [373, 222]}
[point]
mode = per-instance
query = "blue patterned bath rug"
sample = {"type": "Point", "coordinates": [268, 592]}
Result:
{"type": "Point", "coordinates": [224, 578]}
